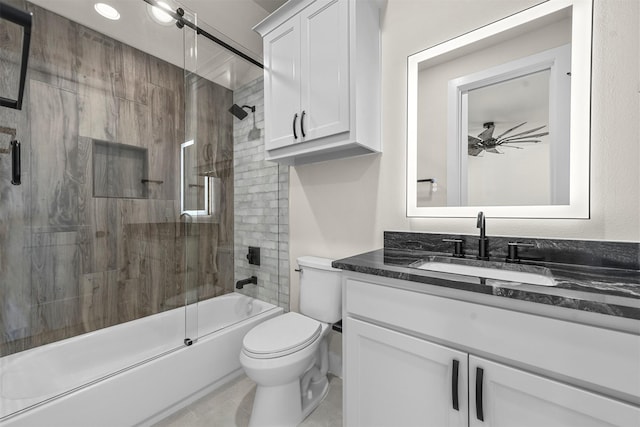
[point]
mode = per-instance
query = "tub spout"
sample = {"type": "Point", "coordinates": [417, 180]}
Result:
{"type": "Point", "coordinates": [251, 280]}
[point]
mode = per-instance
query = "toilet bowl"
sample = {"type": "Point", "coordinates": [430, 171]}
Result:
{"type": "Point", "coordinates": [287, 356]}
{"type": "Point", "coordinates": [278, 395]}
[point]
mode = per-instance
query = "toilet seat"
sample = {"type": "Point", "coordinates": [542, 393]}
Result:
{"type": "Point", "coordinates": [281, 336]}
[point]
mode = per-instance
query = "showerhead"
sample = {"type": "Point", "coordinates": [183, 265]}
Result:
{"type": "Point", "coordinates": [239, 111]}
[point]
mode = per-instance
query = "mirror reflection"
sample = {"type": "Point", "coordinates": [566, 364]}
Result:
{"type": "Point", "coordinates": [508, 158]}
{"type": "Point", "coordinates": [194, 188]}
{"type": "Point", "coordinates": [490, 117]}
{"type": "Point", "coordinates": [15, 38]}
{"type": "Point", "coordinates": [488, 93]}
{"type": "Point", "coordinates": [10, 61]}
{"type": "Point", "coordinates": [200, 190]}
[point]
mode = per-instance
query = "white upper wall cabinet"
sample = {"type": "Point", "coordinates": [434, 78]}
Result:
{"type": "Point", "coordinates": [322, 80]}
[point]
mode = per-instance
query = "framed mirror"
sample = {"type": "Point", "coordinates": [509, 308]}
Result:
{"type": "Point", "coordinates": [498, 119]}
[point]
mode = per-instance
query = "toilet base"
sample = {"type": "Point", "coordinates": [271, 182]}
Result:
{"type": "Point", "coordinates": [277, 405]}
{"type": "Point", "coordinates": [311, 401]}
{"type": "Point", "coordinates": [282, 405]}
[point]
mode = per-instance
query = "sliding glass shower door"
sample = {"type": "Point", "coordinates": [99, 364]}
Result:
{"type": "Point", "coordinates": [93, 239]}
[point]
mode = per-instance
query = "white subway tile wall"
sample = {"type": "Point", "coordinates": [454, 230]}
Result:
{"type": "Point", "coordinates": [261, 204]}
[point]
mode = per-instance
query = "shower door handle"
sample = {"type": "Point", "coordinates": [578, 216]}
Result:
{"type": "Point", "coordinates": [15, 162]}
{"type": "Point", "coordinates": [295, 119]}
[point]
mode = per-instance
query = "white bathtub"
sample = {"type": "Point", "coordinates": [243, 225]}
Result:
{"type": "Point", "coordinates": [132, 373]}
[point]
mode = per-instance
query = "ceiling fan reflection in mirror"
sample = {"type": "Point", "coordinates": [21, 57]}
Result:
{"type": "Point", "coordinates": [486, 142]}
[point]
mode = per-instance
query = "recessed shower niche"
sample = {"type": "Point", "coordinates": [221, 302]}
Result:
{"type": "Point", "coordinates": [120, 171]}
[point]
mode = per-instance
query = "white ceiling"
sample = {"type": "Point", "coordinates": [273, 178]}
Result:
{"type": "Point", "coordinates": [270, 5]}
{"type": "Point", "coordinates": [523, 99]}
{"type": "Point", "coordinates": [229, 20]}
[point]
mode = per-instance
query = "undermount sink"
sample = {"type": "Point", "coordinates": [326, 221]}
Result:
{"type": "Point", "coordinates": [518, 273]}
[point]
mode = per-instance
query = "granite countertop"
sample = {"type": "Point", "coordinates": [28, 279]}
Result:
{"type": "Point", "coordinates": [604, 290]}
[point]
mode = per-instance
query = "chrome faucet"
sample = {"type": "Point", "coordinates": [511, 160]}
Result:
{"type": "Point", "coordinates": [483, 243]}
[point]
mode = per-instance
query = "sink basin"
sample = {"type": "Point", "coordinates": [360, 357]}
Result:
{"type": "Point", "coordinates": [528, 274]}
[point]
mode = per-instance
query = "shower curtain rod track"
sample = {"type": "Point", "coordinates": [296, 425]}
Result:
{"type": "Point", "coordinates": [180, 22]}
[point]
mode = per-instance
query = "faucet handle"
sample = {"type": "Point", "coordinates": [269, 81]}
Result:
{"type": "Point", "coordinates": [458, 248]}
{"type": "Point", "coordinates": [512, 253]}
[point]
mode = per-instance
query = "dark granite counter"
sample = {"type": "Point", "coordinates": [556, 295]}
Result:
{"type": "Point", "coordinates": [600, 289]}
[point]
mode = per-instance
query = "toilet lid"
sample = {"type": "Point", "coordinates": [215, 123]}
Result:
{"type": "Point", "coordinates": [281, 335]}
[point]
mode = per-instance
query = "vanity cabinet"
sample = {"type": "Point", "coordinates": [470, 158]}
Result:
{"type": "Point", "coordinates": [501, 395]}
{"type": "Point", "coordinates": [415, 359]}
{"type": "Point", "coordinates": [321, 80]}
{"type": "Point", "coordinates": [396, 379]}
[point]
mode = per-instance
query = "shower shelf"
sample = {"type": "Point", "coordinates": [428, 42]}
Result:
{"type": "Point", "coordinates": [119, 171]}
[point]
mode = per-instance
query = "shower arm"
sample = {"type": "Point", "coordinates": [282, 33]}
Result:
{"type": "Point", "coordinates": [253, 113]}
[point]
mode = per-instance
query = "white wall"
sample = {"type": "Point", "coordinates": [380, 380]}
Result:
{"type": "Point", "coordinates": [341, 208]}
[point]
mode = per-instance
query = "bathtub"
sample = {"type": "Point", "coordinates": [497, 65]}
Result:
{"type": "Point", "coordinates": [132, 373]}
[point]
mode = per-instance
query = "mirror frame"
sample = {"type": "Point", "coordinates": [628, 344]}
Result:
{"type": "Point", "coordinates": [580, 124]}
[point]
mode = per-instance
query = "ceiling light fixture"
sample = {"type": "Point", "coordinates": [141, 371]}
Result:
{"type": "Point", "coordinates": [107, 11]}
{"type": "Point", "coordinates": [158, 13]}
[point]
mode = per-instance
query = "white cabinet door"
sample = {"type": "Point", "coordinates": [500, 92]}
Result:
{"type": "Point", "coordinates": [325, 69]}
{"type": "Point", "coordinates": [509, 397]}
{"type": "Point", "coordinates": [282, 85]}
{"type": "Point", "coordinates": [393, 379]}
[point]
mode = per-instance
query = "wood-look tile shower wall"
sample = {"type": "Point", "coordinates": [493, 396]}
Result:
{"type": "Point", "coordinates": [70, 262]}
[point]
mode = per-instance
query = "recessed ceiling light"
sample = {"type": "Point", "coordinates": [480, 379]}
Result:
{"type": "Point", "coordinates": [107, 11]}
{"type": "Point", "coordinates": [159, 14]}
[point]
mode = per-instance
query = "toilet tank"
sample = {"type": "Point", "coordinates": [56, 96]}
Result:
{"type": "Point", "coordinates": [320, 289]}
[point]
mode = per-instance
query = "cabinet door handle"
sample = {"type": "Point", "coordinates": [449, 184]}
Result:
{"type": "Point", "coordinates": [15, 162]}
{"type": "Point", "coordinates": [295, 119]}
{"type": "Point", "coordinates": [479, 379]}
{"type": "Point", "coordinates": [454, 385]}
{"type": "Point", "coordinates": [302, 123]}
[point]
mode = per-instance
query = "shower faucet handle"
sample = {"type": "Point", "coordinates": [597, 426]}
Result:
{"type": "Point", "coordinates": [254, 255]}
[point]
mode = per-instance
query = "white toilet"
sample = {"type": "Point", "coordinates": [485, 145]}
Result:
{"type": "Point", "coordinates": [287, 356]}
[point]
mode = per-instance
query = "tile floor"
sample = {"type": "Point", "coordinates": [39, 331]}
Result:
{"type": "Point", "coordinates": [230, 406]}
